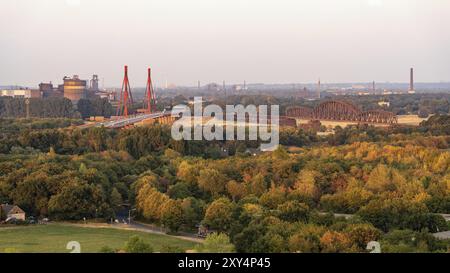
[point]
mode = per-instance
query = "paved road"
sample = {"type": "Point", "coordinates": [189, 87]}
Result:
{"type": "Point", "coordinates": [122, 122]}
{"type": "Point", "coordinates": [159, 230]}
{"type": "Point", "coordinates": [136, 226]}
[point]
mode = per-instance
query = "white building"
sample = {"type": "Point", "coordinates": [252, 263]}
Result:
{"type": "Point", "coordinates": [20, 93]}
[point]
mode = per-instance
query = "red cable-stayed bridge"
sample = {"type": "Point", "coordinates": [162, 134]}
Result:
{"type": "Point", "coordinates": [124, 118]}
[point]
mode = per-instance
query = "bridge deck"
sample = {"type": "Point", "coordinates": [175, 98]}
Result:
{"type": "Point", "coordinates": [123, 122]}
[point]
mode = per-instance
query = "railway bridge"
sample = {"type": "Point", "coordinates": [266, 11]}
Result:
{"type": "Point", "coordinates": [341, 111]}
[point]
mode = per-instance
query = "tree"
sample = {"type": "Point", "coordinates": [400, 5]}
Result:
{"type": "Point", "coordinates": [216, 243]}
{"type": "Point", "coordinates": [135, 244]}
{"type": "Point", "coordinates": [361, 234]}
{"type": "Point", "coordinates": [76, 201]}
{"type": "Point", "coordinates": [172, 214]}
{"type": "Point", "coordinates": [274, 197]}
{"type": "Point", "coordinates": [389, 213]}
{"type": "Point", "coordinates": [212, 181]}
{"type": "Point", "coordinates": [293, 211]}
{"type": "Point", "coordinates": [306, 184]}
{"type": "Point", "coordinates": [257, 184]}
{"type": "Point", "coordinates": [380, 180]}
{"type": "Point", "coordinates": [107, 249]}
{"type": "Point", "coordinates": [94, 107]}
{"type": "Point", "coordinates": [306, 239]}
{"type": "Point", "coordinates": [179, 191]}
{"type": "Point", "coordinates": [116, 199]}
{"type": "Point", "coordinates": [193, 211]}
{"type": "Point", "coordinates": [188, 173]}
{"type": "Point", "coordinates": [149, 202]}
{"type": "Point", "coordinates": [236, 190]}
{"type": "Point", "coordinates": [335, 242]}
{"type": "Point", "coordinates": [348, 201]}
{"type": "Point", "coordinates": [219, 214]}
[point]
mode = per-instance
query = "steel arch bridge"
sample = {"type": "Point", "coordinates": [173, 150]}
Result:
{"type": "Point", "coordinates": [341, 111]}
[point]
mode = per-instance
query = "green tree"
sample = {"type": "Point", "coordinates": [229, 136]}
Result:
{"type": "Point", "coordinates": [116, 199]}
{"type": "Point", "coordinates": [137, 245]}
{"type": "Point", "coordinates": [293, 211]}
{"type": "Point", "coordinates": [216, 243]}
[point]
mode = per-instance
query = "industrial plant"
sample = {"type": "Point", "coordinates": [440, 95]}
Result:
{"type": "Point", "coordinates": [72, 88]}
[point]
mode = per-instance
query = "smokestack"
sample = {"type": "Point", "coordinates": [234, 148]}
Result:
{"type": "Point", "coordinates": [318, 89]}
{"type": "Point", "coordinates": [373, 86]}
{"type": "Point", "coordinates": [411, 80]}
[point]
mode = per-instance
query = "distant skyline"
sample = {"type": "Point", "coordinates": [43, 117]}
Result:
{"type": "Point", "coordinates": [260, 41]}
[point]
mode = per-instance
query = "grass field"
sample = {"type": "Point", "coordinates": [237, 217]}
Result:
{"type": "Point", "coordinates": [53, 238]}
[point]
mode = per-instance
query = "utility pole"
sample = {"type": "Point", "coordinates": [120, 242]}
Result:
{"type": "Point", "coordinates": [225, 90]}
{"type": "Point", "coordinates": [27, 104]}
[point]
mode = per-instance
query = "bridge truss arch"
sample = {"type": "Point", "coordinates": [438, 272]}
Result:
{"type": "Point", "coordinates": [341, 111]}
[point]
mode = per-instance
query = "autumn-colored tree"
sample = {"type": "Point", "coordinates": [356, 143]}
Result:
{"type": "Point", "coordinates": [257, 184]}
{"type": "Point", "coordinates": [149, 202]}
{"type": "Point", "coordinates": [219, 214]}
{"type": "Point", "coordinates": [293, 211]}
{"type": "Point", "coordinates": [212, 181]}
{"type": "Point", "coordinates": [361, 234]}
{"type": "Point", "coordinates": [188, 173]}
{"type": "Point", "coordinates": [236, 190]}
{"type": "Point", "coordinates": [335, 242]}
{"type": "Point", "coordinates": [274, 197]}
{"type": "Point", "coordinates": [172, 214]}
{"type": "Point", "coordinates": [380, 180]}
{"type": "Point", "coordinates": [307, 239]}
{"type": "Point", "coordinates": [306, 184]}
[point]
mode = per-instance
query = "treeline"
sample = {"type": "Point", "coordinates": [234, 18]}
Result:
{"type": "Point", "coordinates": [419, 104]}
{"type": "Point", "coordinates": [54, 108]}
{"type": "Point", "coordinates": [42, 108]}
{"type": "Point", "coordinates": [422, 104]}
{"type": "Point", "coordinates": [40, 135]}
{"type": "Point", "coordinates": [437, 125]}
{"type": "Point", "coordinates": [95, 107]}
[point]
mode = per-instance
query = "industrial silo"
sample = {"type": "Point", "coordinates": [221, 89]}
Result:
{"type": "Point", "coordinates": [74, 88]}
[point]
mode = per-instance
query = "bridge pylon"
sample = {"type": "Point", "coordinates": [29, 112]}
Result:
{"type": "Point", "coordinates": [126, 98]}
{"type": "Point", "coordinates": [150, 97]}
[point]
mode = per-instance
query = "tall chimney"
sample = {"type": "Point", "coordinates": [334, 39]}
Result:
{"type": "Point", "coordinates": [318, 89]}
{"type": "Point", "coordinates": [411, 80]}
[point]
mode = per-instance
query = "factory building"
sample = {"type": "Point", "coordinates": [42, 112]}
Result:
{"type": "Point", "coordinates": [74, 88]}
{"type": "Point", "coordinates": [94, 84]}
{"type": "Point", "coordinates": [20, 93]}
{"type": "Point", "coordinates": [48, 91]}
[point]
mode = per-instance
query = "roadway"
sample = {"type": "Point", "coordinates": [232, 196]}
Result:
{"type": "Point", "coordinates": [123, 122]}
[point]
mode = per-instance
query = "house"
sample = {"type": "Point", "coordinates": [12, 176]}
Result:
{"type": "Point", "coordinates": [12, 211]}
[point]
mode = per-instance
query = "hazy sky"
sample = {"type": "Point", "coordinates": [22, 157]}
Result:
{"type": "Point", "coordinates": [271, 41]}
